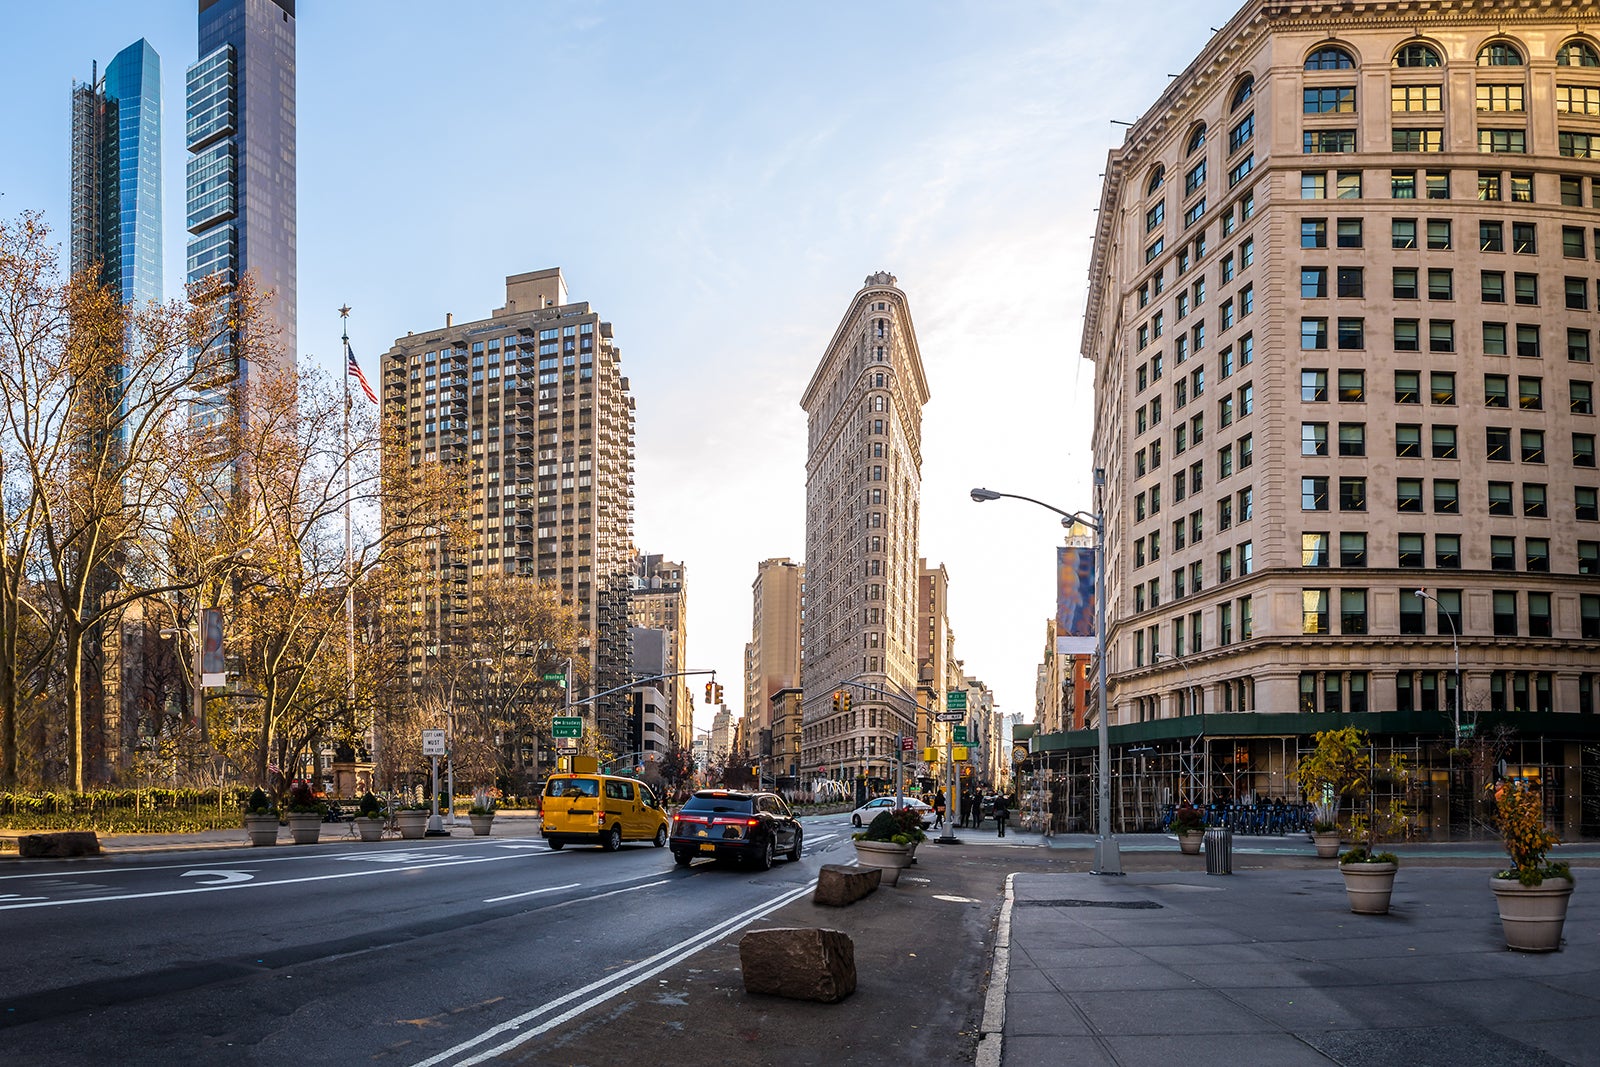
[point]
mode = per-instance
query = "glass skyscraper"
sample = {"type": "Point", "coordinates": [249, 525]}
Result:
{"type": "Point", "coordinates": [116, 175]}
{"type": "Point", "coordinates": [240, 134]}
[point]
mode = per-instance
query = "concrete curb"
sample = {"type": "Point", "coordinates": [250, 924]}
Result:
{"type": "Point", "coordinates": [991, 1031]}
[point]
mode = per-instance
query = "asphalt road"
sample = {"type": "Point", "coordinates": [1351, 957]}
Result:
{"type": "Point", "coordinates": [408, 952]}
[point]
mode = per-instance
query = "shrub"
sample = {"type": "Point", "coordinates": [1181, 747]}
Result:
{"type": "Point", "coordinates": [1520, 818]}
{"type": "Point", "coordinates": [302, 801]}
{"type": "Point", "coordinates": [903, 826]}
{"type": "Point", "coordinates": [1187, 820]}
{"type": "Point", "coordinates": [258, 803]}
{"type": "Point", "coordinates": [369, 807]}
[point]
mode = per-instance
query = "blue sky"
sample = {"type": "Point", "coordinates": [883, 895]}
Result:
{"type": "Point", "coordinates": [717, 180]}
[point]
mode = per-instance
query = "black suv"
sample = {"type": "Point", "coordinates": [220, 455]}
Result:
{"type": "Point", "coordinates": [728, 824]}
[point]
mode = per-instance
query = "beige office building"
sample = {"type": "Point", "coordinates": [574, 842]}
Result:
{"type": "Point", "coordinates": [530, 405]}
{"type": "Point", "coordinates": [772, 660]}
{"type": "Point", "coordinates": [660, 601]}
{"type": "Point", "coordinates": [1342, 313]}
{"type": "Point", "coordinates": [863, 487]}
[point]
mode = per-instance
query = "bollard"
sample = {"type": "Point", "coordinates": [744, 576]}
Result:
{"type": "Point", "coordinates": [1219, 850]}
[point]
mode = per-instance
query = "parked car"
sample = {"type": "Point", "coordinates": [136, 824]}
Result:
{"type": "Point", "coordinates": [600, 809]}
{"type": "Point", "coordinates": [870, 810]}
{"type": "Point", "coordinates": [737, 825]}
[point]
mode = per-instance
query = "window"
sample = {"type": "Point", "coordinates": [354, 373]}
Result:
{"type": "Point", "coordinates": [1350, 283]}
{"type": "Point", "coordinates": [1571, 190]}
{"type": "Point", "coordinates": [1416, 55]}
{"type": "Point", "coordinates": [1352, 386]}
{"type": "Point", "coordinates": [1494, 338]}
{"type": "Point", "coordinates": [1496, 391]}
{"type": "Point", "coordinates": [1407, 387]}
{"type": "Point", "coordinates": [1530, 393]}
{"type": "Point", "coordinates": [1352, 494]}
{"type": "Point", "coordinates": [1441, 283]}
{"type": "Point", "coordinates": [1407, 335]}
{"type": "Point", "coordinates": [1313, 284]}
{"type": "Point", "coordinates": [1442, 387]}
{"type": "Point", "coordinates": [1313, 334]}
{"type": "Point", "coordinates": [1313, 439]}
{"type": "Point", "coordinates": [1352, 439]}
{"type": "Point", "coordinates": [1405, 283]}
{"type": "Point", "coordinates": [1578, 99]}
{"type": "Point", "coordinates": [1446, 496]}
{"type": "Point", "coordinates": [1505, 613]}
{"type": "Point", "coordinates": [1441, 335]}
{"type": "Point", "coordinates": [1352, 334]}
{"type": "Point", "coordinates": [1322, 142]}
{"type": "Point", "coordinates": [1589, 617]}
{"type": "Point", "coordinates": [1492, 286]}
{"type": "Point", "coordinates": [1313, 386]}
{"type": "Point", "coordinates": [1403, 184]}
{"type": "Point", "coordinates": [1491, 237]}
{"type": "Point", "coordinates": [1527, 340]}
{"type": "Point", "coordinates": [1573, 245]}
{"type": "Point", "coordinates": [1577, 54]}
{"type": "Point", "coordinates": [1314, 494]}
{"type": "Point", "coordinates": [1313, 234]}
{"type": "Point", "coordinates": [1447, 551]}
{"type": "Point", "coordinates": [1415, 98]}
{"type": "Point", "coordinates": [1197, 141]}
{"type": "Point", "coordinates": [1410, 549]}
{"type": "Point", "coordinates": [1536, 554]}
{"type": "Point", "coordinates": [1333, 58]}
{"type": "Point", "coordinates": [1242, 93]}
{"type": "Point", "coordinates": [1314, 612]}
{"type": "Point", "coordinates": [1241, 133]}
{"type": "Point", "coordinates": [1352, 611]}
{"type": "Point", "coordinates": [1336, 98]}
{"type": "Point", "coordinates": [1438, 235]}
{"type": "Point", "coordinates": [1403, 233]}
{"type": "Point", "coordinates": [1582, 394]}
{"type": "Point", "coordinates": [1539, 614]}
{"type": "Point", "coordinates": [1521, 188]}
{"type": "Point", "coordinates": [1408, 440]}
{"type": "Point", "coordinates": [1246, 451]}
{"type": "Point", "coordinates": [1444, 442]}
{"type": "Point", "coordinates": [1589, 557]}
{"type": "Point", "coordinates": [1576, 292]}
{"type": "Point", "coordinates": [1236, 174]}
{"type": "Point", "coordinates": [1503, 553]}
{"type": "Point", "coordinates": [1497, 444]}
{"type": "Point", "coordinates": [1195, 210]}
{"type": "Point", "coordinates": [1499, 54]}
{"type": "Point", "coordinates": [1578, 345]}
{"type": "Point", "coordinates": [1500, 498]}
{"type": "Point", "coordinates": [1416, 139]}
{"type": "Point", "coordinates": [1499, 97]}
{"type": "Point", "coordinates": [1535, 501]}
{"type": "Point", "coordinates": [1584, 502]}
{"type": "Point", "coordinates": [1155, 216]}
{"type": "Point", "coordinates": [1348, 233]}
{"type": "Point", "coordinates": [1314, 550]}
{"type": "Point", "coordinates": [1408, 494]}
{"type": "Point", "coordinates": [1438, 184]}
{"type": "Point", "coordinates": [1575, 145]}
{"type": "Point", "coordinates": [1523, 239]}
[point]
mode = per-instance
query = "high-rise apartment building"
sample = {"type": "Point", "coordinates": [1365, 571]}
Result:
{"type": "Point", "coordinates": [660, 601]}
{"type": "Point", "coordinates": [1342, 312]}
{"type": "Point", "coordinates": [772, 661]}
{"type": "Point", "coordinates": [863, 492]}
{"type": "Point", "coordinates": [240, 134]}
{"type": "Point", "coordinates": [531, 407]}
{"type": "Point", "coordinates": [116, 175]}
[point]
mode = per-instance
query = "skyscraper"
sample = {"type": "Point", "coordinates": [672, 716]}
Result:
{"type": "Point", "coordinates": [116, 175]}
{"type": "Point", "coordinates": [530, 406]}
{"type": "Point", "coordinates": [1341, 314]}
{"type": "Point", "coordinates": [772, 662]}
{"type": "Point", "coordinates": [240, 133]}
{"type": "Point", "coordinates": [660, 601]}
{"type": "Point", "coordinates": [863, 494]}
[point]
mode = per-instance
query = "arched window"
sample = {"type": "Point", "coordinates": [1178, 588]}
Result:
{"type": "Point", "coordinates": [1156, 178]}
{"type": "Point", "coordinates": [1197, 140]}
{"type": "Point", "coordinates": [1418, 55]}
{"type": "Point", "coordinates": [1242, 93]}
{"type": "Point", "coordinates": [1330, 58]}
{"type": "Point", "coordinates": [1578, 54]}
{"type": "Point", "coordinates": [1499, 54]}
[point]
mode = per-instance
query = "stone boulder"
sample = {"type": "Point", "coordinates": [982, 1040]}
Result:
{"type": "Point", "coordinates": [59, 845]}
{"type": "Point", "coordinates": [839, 885]}
{"type": "Point", "coordinates": [801, 964]}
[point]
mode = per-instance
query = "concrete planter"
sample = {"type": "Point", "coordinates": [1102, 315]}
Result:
{"type": "Point", "coordinates": [1532, 915]}
{"type": "Point", "coordinates": [1189, 842]}
{"type": "Point", "coordinates": [1327, 842]}
{"type": "Point", "coordinates": [1369, 886]}
{"type": "Point", "coordinates": [263, 829]}
{"type": "Point", "coordinates": [481, 824]}
{"type": "Point", "coordinates": [305, 827]}
{"type": "Point", "coordinates": [370, 828]}
{"type": "Point", "coordinates": [413, 824]}
{"type": "Point", "coordinates": [887, 856]}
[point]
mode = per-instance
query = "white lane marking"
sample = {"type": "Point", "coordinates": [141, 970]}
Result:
{"type": "Point", "coordinates": [533, 892]}
{"type": "Point", "coordinates": [403, 856]}
{"type": "Point", "coordinates": [281, 881]}
{"type": "Point", "coordinates": [4, 897]}
{"type": "Point", "coordinates": [226, 877]}
{"type": "Point", "coordinates": [256, 857]}
{"type": "Point", "coordinates": [615, 892]}
{"type": "Point", "coordinates": [596, 992]}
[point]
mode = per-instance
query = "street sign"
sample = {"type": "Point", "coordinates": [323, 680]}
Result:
{"type": "Point", "coordinates": [433, 742]}
{"type": "Point", "coordinates": [958, 735]}
{"type": "Point", "coordinates": [908, 744]}
{"type": "Point", "coordinates": [955, 700]}
{"type": "Point", "coordinates": [952, 716]}
{"type": "Point", "coordinates": [1468, 729]}
{"type": "Point", "coordinates": [556, 677]}
{"type": "Point", "coordinates": [566, 726]}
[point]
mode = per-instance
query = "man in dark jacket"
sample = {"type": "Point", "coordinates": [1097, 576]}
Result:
{"type": "Point", "coordinates": [1002, 812]}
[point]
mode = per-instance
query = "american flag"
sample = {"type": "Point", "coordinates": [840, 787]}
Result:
{"type": "Point", "coordinates": [353, 369]}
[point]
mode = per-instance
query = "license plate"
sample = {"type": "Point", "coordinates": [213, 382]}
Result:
{"type": "Point", "coordinates": [708, 848]}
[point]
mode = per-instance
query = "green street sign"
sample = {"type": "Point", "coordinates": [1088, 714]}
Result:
{"type": "Point", "coordinates": [1468, 729]}
{"type": "Point", "coordinates": [958, 735]}
{"type": "Point", "coordinates": [955, 700]}
{"type": "Point", "coordinates": [556, 677]}
{"type": "Point", "coordinates": [566, 726]}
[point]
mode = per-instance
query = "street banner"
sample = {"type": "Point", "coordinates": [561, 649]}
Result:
{"type": "Point", "coordinates": [1075, 601]}
{"type": "Point", "coordinates": [211, 664]}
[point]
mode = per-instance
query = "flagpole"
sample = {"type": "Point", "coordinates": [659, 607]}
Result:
{"type": "Point", "coordinates": [349, 551]}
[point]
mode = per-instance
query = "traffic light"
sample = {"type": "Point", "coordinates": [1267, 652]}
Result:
{"type": "Point", "coordinates": [718, 695]}
{"type": "Point", "coordinates": [844, 705]}
{"type": "Point", "coordinates": [710, 686]}
{"type": "Point", "coordinates": [838, 700]}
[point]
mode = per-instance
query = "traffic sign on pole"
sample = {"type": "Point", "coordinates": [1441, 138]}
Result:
{"type": "Point", "coordinates": [433, 742]}
{"type": "Point", "coordinates": [952, 716]}
{"type": "Point", "coordinates": [958, 735]}
{"type": "Point", "coordinates": [556, 677]}
{"type": "Point", "coordinates": [955, 700]}
{"type": "Point", "coordinates": [907, 743]}
{"type": "Point", "coordinates": [1468, 729]}
{"type": "Point", "coordinates": [566, 726]}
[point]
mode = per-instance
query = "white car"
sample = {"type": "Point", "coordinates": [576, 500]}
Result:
{"type": "Point", "coordinates": [872, 808]}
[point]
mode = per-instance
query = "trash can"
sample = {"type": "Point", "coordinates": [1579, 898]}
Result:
{"type": "Point", "coordinates": [1219, 850]}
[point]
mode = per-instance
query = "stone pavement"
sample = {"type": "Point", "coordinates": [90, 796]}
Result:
{"type": "Point", "coordinates": [1270, 965]}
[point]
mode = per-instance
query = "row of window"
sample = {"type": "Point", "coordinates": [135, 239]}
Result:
{"type": "Point", "coordinates": [1407, 183]}
{"type": "Point", "coordinates": [1439, 283]}
{"type": "Point", "coordinates": [1498, 338]}
{"type": "Point", "coordinates": [1575, 52]}
{"type": "Point", "coordinates": [1441, 389]}
{"type": "Point", "coordinates": [1353, 496]}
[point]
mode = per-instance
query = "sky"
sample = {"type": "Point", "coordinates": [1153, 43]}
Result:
{"type": "Point", "coordinates": [716, 180]}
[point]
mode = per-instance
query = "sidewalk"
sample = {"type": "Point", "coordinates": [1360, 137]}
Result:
{"type": "Point", "coordinates": [1270, 966]}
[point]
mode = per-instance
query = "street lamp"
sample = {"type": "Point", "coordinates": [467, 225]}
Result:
{"type": "Point", "coordinates": [1455, 644]}
{"type": "Point", "coordinates": [197, 694]}
{"type": "Point", "coordinates": [1107, 856]}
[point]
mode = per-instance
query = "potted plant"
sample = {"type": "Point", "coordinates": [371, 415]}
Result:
{"type": "Point", "coordinates": [1336, 767]}
{"type": "Point", "coordinates": [1532, 893]}
{"type": "Point", "coordinates": [369, 817]}
{"type": "Point", "coordinates": [260, 818]}
{"type": "Point", "coordinates": [889, 842]}
{"type": "Point", "coordinates": [413, 820]}
{"type": "Point", "coordinates": [481, 814]}
{"type": "Point", "coordinates": [305, 814]}
{"type": "Point", "coordinates": [1190, 826]}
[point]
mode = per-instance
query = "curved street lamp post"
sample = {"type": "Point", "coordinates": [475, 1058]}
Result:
{"type": "Point", "coordinates": [1455, 644]}
{"type": "Point", "coordinates": [1107, 855]}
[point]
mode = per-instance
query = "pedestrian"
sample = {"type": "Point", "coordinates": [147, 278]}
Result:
{"type": "Point", "coordinates": [938, 809]}
{"type": "Point", "coordinates": [1002, 812]}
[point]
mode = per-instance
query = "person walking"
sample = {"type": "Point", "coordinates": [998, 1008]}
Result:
{"type": "Point", "coordinates": [938, 809]}
{"type": "Point", "coordinates": [1002, 812]}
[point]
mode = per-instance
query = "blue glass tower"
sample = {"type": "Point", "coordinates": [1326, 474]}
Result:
{"type": "Point", "coordinates": [240, 134]}
{"type": "Point", "coordinates": [116, 175]}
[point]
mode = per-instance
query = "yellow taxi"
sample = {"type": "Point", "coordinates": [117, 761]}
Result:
{"type": "Point", "coordinates": [600, 809]}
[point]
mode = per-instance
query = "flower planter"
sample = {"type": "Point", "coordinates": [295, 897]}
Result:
{"type": "Point", "coordinates": [1327, 842]}
{"type": "Point", "coordinates": [887, 856]}
{"type": "Point", "coordinates": [1369, 885]}
{"type": "Point", "coordinates": [1189, 842]}
{"type": "Point", "coordinates": [370, 827]}
{"type": "Point", "coordinates": [413, 824]}
{"type": "Point", "coordinates": [1532, 915]}
{"type": "Point", "coordinates": [481, 824]}
{"type": "Point", "coordinates": [305, 827]}
{"type": "Point", "coordinates": [263, 829]}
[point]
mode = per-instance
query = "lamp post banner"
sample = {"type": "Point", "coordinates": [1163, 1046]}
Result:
{"type": "Point", "coordinates": [211, 641]}
{"type": "Point", "coordinates": [1075, 631]}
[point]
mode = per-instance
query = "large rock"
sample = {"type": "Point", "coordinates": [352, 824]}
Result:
{"type": "Point", "coordinates": [838, 885]}
{"type": "Point", "coordinates": [801, 964]}
{"type": "Point", "coordinates": [58, 845]}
